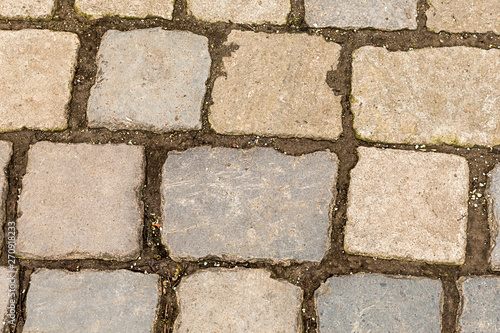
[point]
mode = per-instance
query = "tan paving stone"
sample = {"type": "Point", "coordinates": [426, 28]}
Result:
{"type": "Point", "coordinates": [408, 205]}
{"type": "Point", "coordinates": [240, 11]}
{"type": "Point", "coordinates": [464, 16]}
{"type": "Point", "coordinates": [237, 300]}
{"type": "Point", "coordinates": [493, 195]}
{"type": "Point", "coordinates": [36, 75]}
{"type": "Point", "coordinates": [5, 154]}
{"type": "Point", "coordinates": [21, 9]}
{"type": "Point", "coordinates": [276, 86]}
{"type": "Point", "coordinates": [128, 8]}
{"type": "Point", "coordinates": [447, 95]}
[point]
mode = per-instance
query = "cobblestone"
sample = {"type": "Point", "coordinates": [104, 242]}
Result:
{"type": "Point", "coordinates": [130, 8]}
{"type": "Point", "coordinates": [91, 301]}
{"type": "Point", "coordinates": [159, 84]}
{"type": "Point", "coordinates": [81, 201]}
{"type": "Point", "coordinates": [408, 205]}
{"type": "Point", "coordinates": [7, 308]}
{"type": "Point", "coordinates": [480, 302]}
{"type": "Point", "coordinates": [237, 300]}
{"type": "Point", "coordinates": [464, 16]}
{"type": "Point", "coordinates": [19, 9]}
{"type": "Point", "coordinates": [376, 303]}
{"type": "Point", "coordinates": [240, 11]}
{"type": "Point", "coordinates": [5, 153]}
{"type": "Point", "coordinates": [384, 15]}
{"type": "Point", "coordinates": [276, 86]}
{"type": "Point", "coordinates": [247, 204]}
{"type": "Point", "coordinates": [36, 73]}
{"type": "Point", "coordinates": [494, 215]}
{"type": "Point", "coordinates": [450, 99]}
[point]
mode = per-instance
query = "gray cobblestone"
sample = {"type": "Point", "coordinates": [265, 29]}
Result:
{"type": "Point", "coordinates": [7, 308]}
{"type": "Point", "coordinates": [129, 8]}
{"type": "Point", "coordinates": [38, 9]}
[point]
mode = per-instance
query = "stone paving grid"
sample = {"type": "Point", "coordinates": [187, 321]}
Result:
{"type": "Point", "coordinates": [476, 258]}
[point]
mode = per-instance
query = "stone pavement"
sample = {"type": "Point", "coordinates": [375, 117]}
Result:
{"type": "Point", "coordinates": [250, 166]}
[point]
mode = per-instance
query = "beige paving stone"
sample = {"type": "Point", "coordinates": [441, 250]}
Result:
{"type": "Point", "coordinates": [39, 9]}
{"type": "Point", "coordinates": [240, 11]}
{"type": "Point", "coordinates": [445, 95]}
{"type": "Point", "coordinates": [36, 71]}
{"type": "Point", "coordinates": [493, 196]}
{"type": "Point", "coordinates": [276, 86]}
{"type": "Point", "coordinates": [81, 201]}
{"type": "Point", "coordinates": [130, 8]}
{"type": "Point", "coordinates": [463, 16]}
{"type": "Point", "coordinates": [237, 300]}
{"type": "Point", "coordinates": [5, 154]}
{"type": "Point", "coordinates": [408, 205]}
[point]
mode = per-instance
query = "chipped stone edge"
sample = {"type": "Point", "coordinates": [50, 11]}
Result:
{"type": "Point", "coordinates": [493, 219]}
{"type": "Point", "coordinates": [4, 186]}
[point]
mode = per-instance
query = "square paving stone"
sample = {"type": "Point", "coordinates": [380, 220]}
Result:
{"type": "Point", "coordinates": [150, 79]}
{"type": "Point", "coordinates": [240, 11]}
{"type": "Point", "coordinates": [91, 301]}
{"type": "Point", "coordinates": [480, 304]}
{"type": "Point", "coordinates": [378, 14]}
{"type": "Point", "coordinates": [463, 16]}
{"type": "Point", "coordinates": [27, 8]}
{"type": "Point", "coordinates": [376, 303]}
{"type": "Point", "coordinates": [81, 201]}
{"type": "Point", "coordinates": [249, 204]}
{"type": "Point", "coordinates": [493, 195]}
{"type": "Point", "coordinates": [276, 86]}
{"type": "Point", "coordinates": [128, 8]}
{"type": "Point", "coordinates": [5, 154]}
{"type": "Point", "coordinates": [408, 205]}
{"type": "Point", "coordinates": [445, 95]}
{"type": "Point", "coordinates": [237, 300]}
{"type": "Point", "coordinates": [36, 75]}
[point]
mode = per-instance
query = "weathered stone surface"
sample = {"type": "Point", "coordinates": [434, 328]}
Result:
{"type": "Point", "coordinates": [248, 204]}
{"type": "Point", "coordinates": [384, 15]}
{"type": "Point", "coordinates": [493, 195]}
{"type": "Point", "coordinates": [480, 304]}
{"type": "Point", "coordinates": [276, 86]}
{"type": "Point", "coordinates": [376, 303]}
{"type": "Point", "coordinates": [5, 153]}
{"type": "Point", "coordinates": [408, 205]}
{"type": "Point", "coordinates": [27, 8]}
{"type": "Point", "coordinates": [91, 301]}
{"type": "Point", "coordinates": [446, 95]}
{"type": "Point", "coordinates": [81, 201]}
{"type": "Point", "coordinates": [129, 8]}
{"type": "Point", "coordinates": [36, 71]}
{"type": "Point", "coordinates": [150, 79]}
{"type": "Point", "coordinates": [464, 16]}
{"type": "Point", "coordinates": [8, 285]}
{"type": "Point", "coordinates": [240, 11]}
{"type": "Point", "coordinates": [237, 300]}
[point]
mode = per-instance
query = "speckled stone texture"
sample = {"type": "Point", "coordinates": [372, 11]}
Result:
{"type": "Point", "coordinates": [150, 79]}
{"type": "Point", "coordinates": [376, 303]}
{"type": "Point", "coordinates": [22, 9]}
{"type": "Point", "coordinates": [36, 73]}
{"type": "Point", "coordinates": [408, 205]}
{"type": "Point", "coordinates": [129, 8]}
{"type": "Point", "coordinates": [463, 16]}
{"type": "Point", "coordinates": [237, 300]}
{"type": "Point", "coordinates": [240, 11]}
{"type": "Point", "coordinates": [493, 195]}
{"type": "Point", "coordinates": [447, 95]}
{"type": "Point", "coordinates": [276, 86]}
{"type": "Point", "coordinates": [5, 154]}
{"type": "Point", "coordinates": [480, 304]}
{"type": "Point", "coordinates": [383, 15]}
{"type": "Point", "coordinates": [8, 310]}
{"type": "Point", "coordinates": [246, 204]}
{"type": "Point", "coordinates": [91, 301]}
{"type": "Point", "coordinates": [81, 201]}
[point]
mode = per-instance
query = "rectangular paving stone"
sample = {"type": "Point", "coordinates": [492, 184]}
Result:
{"type": "Point", "coordinates": [383, 15]}
{"type": "Point", "coordinates": [149, 79]}
{"type": "Point", "coordinates": [480, 304]}
{"type": "Point", "coordinates": [237, 300]}
{"type": "Point", "coordinates": [377, 303]}
{"type": "Point", "coordinates": [91, 301]}
{"type": "Point", "coordinates": [129, 8]}
{"type": "Point", "coordinates": [493, 195]}
{"type": "Point", "coordinates": [464, 16]}
{"type": "Point", "coordinates": [36, 78]}
{"type": "Point", "coordinates": [22, 9]}
{"type": "Point", "coordinates": [81, 201]}
{"type": "Point", "coordinates": [256, 203]}
{"type": "Point", "coordinates": [276, 86]}
{"type": "Point", "coordinates": [408, 205]}
{"type": "Point", "coordinates": [5, 154]}
{"type": "Point", "coordinates": [240, 11]}
{"type": "Point", "coordinates": [8, 285]}
{"type": "Point", "coordinates": [447, 95]}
